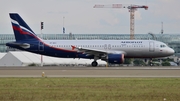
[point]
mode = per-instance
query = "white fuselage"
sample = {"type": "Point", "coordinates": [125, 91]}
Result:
{"type": "Point", "coordinates": [130, 48]}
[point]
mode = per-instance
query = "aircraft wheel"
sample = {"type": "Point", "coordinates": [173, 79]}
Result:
{"type": "Point", "coordinates": [94, 63]}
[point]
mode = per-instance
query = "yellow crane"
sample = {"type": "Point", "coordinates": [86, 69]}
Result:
{"type": "Point", "coordinates": [132, 9]}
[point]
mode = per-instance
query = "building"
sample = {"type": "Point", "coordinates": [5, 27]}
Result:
{"type": "Point", "coordinates": [172, 40]}
{"type": "Point", "coordinates": [22, 58]}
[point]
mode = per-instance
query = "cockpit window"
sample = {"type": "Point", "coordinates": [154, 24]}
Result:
{"type": "Point", "coordinates": [162, 46]}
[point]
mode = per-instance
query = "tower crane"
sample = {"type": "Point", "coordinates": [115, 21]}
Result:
{"type": "Point", "coordinates": [132, 9]}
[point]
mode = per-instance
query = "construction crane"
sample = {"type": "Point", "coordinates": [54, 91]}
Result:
{"type": "Point", "coordinates": [132, 9]}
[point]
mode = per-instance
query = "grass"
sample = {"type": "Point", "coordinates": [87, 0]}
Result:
{"type": "Point", "coordinates": [89, 89]}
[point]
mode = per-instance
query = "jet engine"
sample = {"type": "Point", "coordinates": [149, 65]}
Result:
{"type": "Point", "coordinates": [114, 58]}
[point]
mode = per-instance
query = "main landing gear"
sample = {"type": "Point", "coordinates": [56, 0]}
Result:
{"type": "Point", "coordinates": [94, 64]}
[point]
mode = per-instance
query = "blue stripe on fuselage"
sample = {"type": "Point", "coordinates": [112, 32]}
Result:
{"type": "Point", "coordinates": [50, 51]}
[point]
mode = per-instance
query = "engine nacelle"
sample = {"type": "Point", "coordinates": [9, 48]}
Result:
{"type": "Point", "coordinates": [115, 58]}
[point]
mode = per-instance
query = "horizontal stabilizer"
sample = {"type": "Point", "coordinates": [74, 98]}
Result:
{"type": "Point", "coordinates": [23, 45]}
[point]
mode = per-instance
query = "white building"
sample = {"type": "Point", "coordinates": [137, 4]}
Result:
{"type": "Point", "coordinates": [21, 58]}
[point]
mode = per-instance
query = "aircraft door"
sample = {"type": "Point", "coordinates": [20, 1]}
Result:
{"type": "Point", "coordinates": [107, 46]}
{"type": "Point", "coordinates": [41, 46]}
{"type": "Point", "coordinates": [151, 46]}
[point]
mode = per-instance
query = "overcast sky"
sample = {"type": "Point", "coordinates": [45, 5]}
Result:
{"type": "Point", "coordinates": [82, 18]}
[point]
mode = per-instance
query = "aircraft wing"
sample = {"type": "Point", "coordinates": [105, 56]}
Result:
{"type": "Point", "coordinates": [96, 51]}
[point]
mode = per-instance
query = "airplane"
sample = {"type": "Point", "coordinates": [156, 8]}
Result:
{"type": "Point", "coordinates": [111, 51]}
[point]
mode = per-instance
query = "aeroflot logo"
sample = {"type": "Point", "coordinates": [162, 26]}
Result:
{"type": "Point", "coordinates": [21, 28]}
{"type": "Point", "coordinates": [131, 41]}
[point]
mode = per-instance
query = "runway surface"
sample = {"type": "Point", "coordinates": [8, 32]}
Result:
{"type": "Point", "coordinates": [90, 71]}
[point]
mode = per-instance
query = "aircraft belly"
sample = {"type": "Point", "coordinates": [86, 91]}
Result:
{"type": "Point", "coordinates": [138, 54]}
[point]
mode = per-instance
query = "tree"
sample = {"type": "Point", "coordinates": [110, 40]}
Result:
{"type": "Point", "coordinates": [166, 63]}
{"type": "Point", "coordinates": [168, 59]}
{"type": "Point", "coordinates": [138, 62]}
{"type": "Point", "coordinates": [127, 61]}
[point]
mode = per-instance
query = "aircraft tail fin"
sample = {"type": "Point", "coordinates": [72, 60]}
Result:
{"type": "Point", "coordinates": [21, 30]}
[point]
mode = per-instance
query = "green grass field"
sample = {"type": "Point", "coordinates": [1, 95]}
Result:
{"type": "Point", "coordinates": [89, 89]}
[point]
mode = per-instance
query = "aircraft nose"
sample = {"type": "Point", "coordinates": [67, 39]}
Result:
{"type": "Point", "coordinates": [171, 51]}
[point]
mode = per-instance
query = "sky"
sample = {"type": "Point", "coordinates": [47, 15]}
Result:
{"type": "Point", "coordinates": [80, 17]}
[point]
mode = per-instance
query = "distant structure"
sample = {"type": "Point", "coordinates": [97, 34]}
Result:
{"type": "Point", "coordinates": [153, 36]}
{"type": "Point", "coordinates": [70, 36]}
{"type": "Point", "coordinates": [162, 31]}
{"type": "Point", "coordinates": [63, 26]}
{"type": "Point", "coordinates": [132, 9]}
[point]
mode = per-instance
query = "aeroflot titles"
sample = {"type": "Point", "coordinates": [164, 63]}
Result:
{"type": "Point", "coordinates": [131, 42]}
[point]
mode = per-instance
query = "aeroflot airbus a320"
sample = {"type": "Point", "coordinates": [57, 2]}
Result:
{"type": "Point", "coordinates": [111, 51]}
